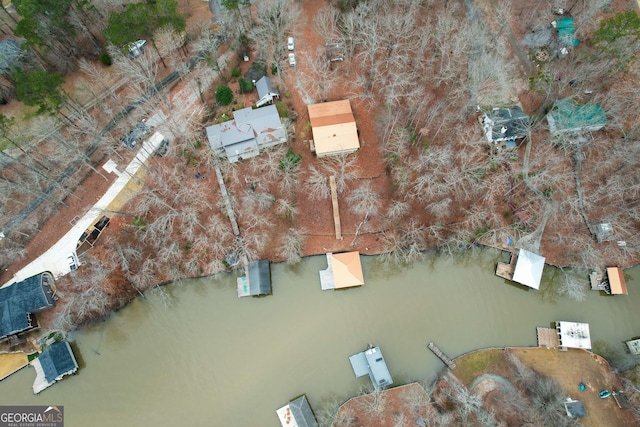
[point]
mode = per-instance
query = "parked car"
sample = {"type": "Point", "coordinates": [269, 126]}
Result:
{"type": "Point", "coordinates": [292, 59]}
{"type": "Point", "coordinates": [137, 133]}
{"type": "Point", "coordinates": [72, 261]}
{"type": "Point", "coordinates": [290, 44]}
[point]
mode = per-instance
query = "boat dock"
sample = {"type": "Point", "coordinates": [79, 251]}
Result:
{"type": "Point", "coordinates": [547, 337]}
{"type": "Point", "coordinates": [505, 270]}
{"type": "Point", "coordinates": [434, 348]}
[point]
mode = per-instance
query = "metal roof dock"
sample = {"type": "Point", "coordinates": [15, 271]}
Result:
{"type": "Point", "coordinates": [371, 362]}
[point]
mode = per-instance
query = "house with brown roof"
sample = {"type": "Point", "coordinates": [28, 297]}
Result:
{"type": "Point", "coordinates": [334, 128]}
{"type": "Point", "coordinates": [617, 284]}
{"type": "Point", "coordinates": [343, 271]}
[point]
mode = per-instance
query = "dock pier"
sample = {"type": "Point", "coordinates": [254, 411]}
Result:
{"type": "Point", "coordinates": [434, 348]}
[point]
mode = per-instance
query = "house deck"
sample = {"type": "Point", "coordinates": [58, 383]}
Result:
{"type": "Point", "coordinates": [243, 286]}
{"type": "Point", "coordinates": [41, 381]}
{"type": "Point", "coordinates": [326, 276]}
{"type": "Point", "coordinates": [547, 337]}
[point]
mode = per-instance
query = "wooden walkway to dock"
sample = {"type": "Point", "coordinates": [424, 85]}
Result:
{"type": "Point", "coordinates": [334, 201]}
{"type": "Point", "coordinates": [227, 202]}
{"type": "Point", "coordinates": [434, 348]}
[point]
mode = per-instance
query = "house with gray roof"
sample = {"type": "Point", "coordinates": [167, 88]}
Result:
{"type": "Point", "coordinates": [20, 302]}
{"type": "Point", "coordinates": [505, 125]}
{"type": "Point", "coordinates": [52, 364]}
{"type": "Point", "coordinates": [266, 93]}
{"type": "Point", "coordinates": [257, 281]}
{"type": "Point", "coordinates": [250, 131]}
{"type": "Point", "coordinates": [297, 413]}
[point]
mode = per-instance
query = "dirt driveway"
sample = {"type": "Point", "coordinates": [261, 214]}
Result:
{"type": "Point", "coordinates": [574, 366]}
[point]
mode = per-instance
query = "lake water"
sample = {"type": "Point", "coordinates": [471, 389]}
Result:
{"type": "Point", "coordinates": [199, 356]}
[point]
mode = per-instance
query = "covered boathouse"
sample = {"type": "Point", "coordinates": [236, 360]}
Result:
{"type": "Point", "coordinates": [53, 363]}
{"type": "Point", "coordinates": [524, 268]}
{"type": "Point", "coordinates": [343, 271]}
{"type": "Point", "coordinates": [257, 281]}
{"type": "Point", "coordinates": [371, 362]}
{"type": "Point", "coordinates": [297, 413]}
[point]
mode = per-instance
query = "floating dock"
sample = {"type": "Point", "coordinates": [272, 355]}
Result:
{"type": "Point", "coordinates": [505, 270]}
{"type": "Point", "coordinates": [547, 337]}
{"type": "Point", "coordinates": [434, 348]}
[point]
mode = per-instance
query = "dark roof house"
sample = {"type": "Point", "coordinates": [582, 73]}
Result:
{"type": "Point", "coordinates": [53, 363]}
{"type": "Point", "coordinates": [266, 93]}
{"type": "Point", "coordinates": [257, 282]}
{"type": "Point", "coordinates": [249, 132]}
{"type": "Point", "coordinates": [567, 117]}
{"type": "Point", "coordinates": [20, 301]}
{"type": "Point", "coordinates": [297, 413]}
{"type": "Point", "coordinates": [505, 124]}
{"type": "Point", "coordinates": [575, 408]}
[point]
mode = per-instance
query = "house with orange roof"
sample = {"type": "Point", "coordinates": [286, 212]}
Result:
{"type": "Point", "coordinates": [617, 284]}
{"type": "Point", "coordinates": [334, 128]}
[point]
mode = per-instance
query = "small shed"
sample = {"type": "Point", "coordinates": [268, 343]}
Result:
{"type": "Point", "coordinates": [617, 284]}
{"type": "Point", "coordinates": [573, 335]}
{"type": "Point", "coordinates": [505, 124]}
{"type": "Point", "coordinates": [257, 281]}
{"type": "Point", "coordinates": [334, 128]}
{"type": "Point", "coordinates": [567, 117]}
{"type": "Point", "coordinates": [265, 91]}
{"type": "Point", "coordinates": [528, 269]}
{"type": "Point", "coordinates": [53, 363]}
{"type": "Point", "coordinates": [575, 408]}
{"type": "Point", "coordinates": [344, 270]}
{"type": "Point", "coordinates": [297, 413]}
{"type": "Point", "coordinates": [371, 362]}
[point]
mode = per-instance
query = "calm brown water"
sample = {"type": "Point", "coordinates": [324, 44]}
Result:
{"type": "Point", "coordinates": [209, 359]}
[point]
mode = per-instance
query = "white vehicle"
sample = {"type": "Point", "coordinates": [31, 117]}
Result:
{"type": "Point", "coordinates": [290, 44]}
{"type": "Point", "coordinates": [72, 261]}
{"type": "Point", "coordinates": [292, 59]}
